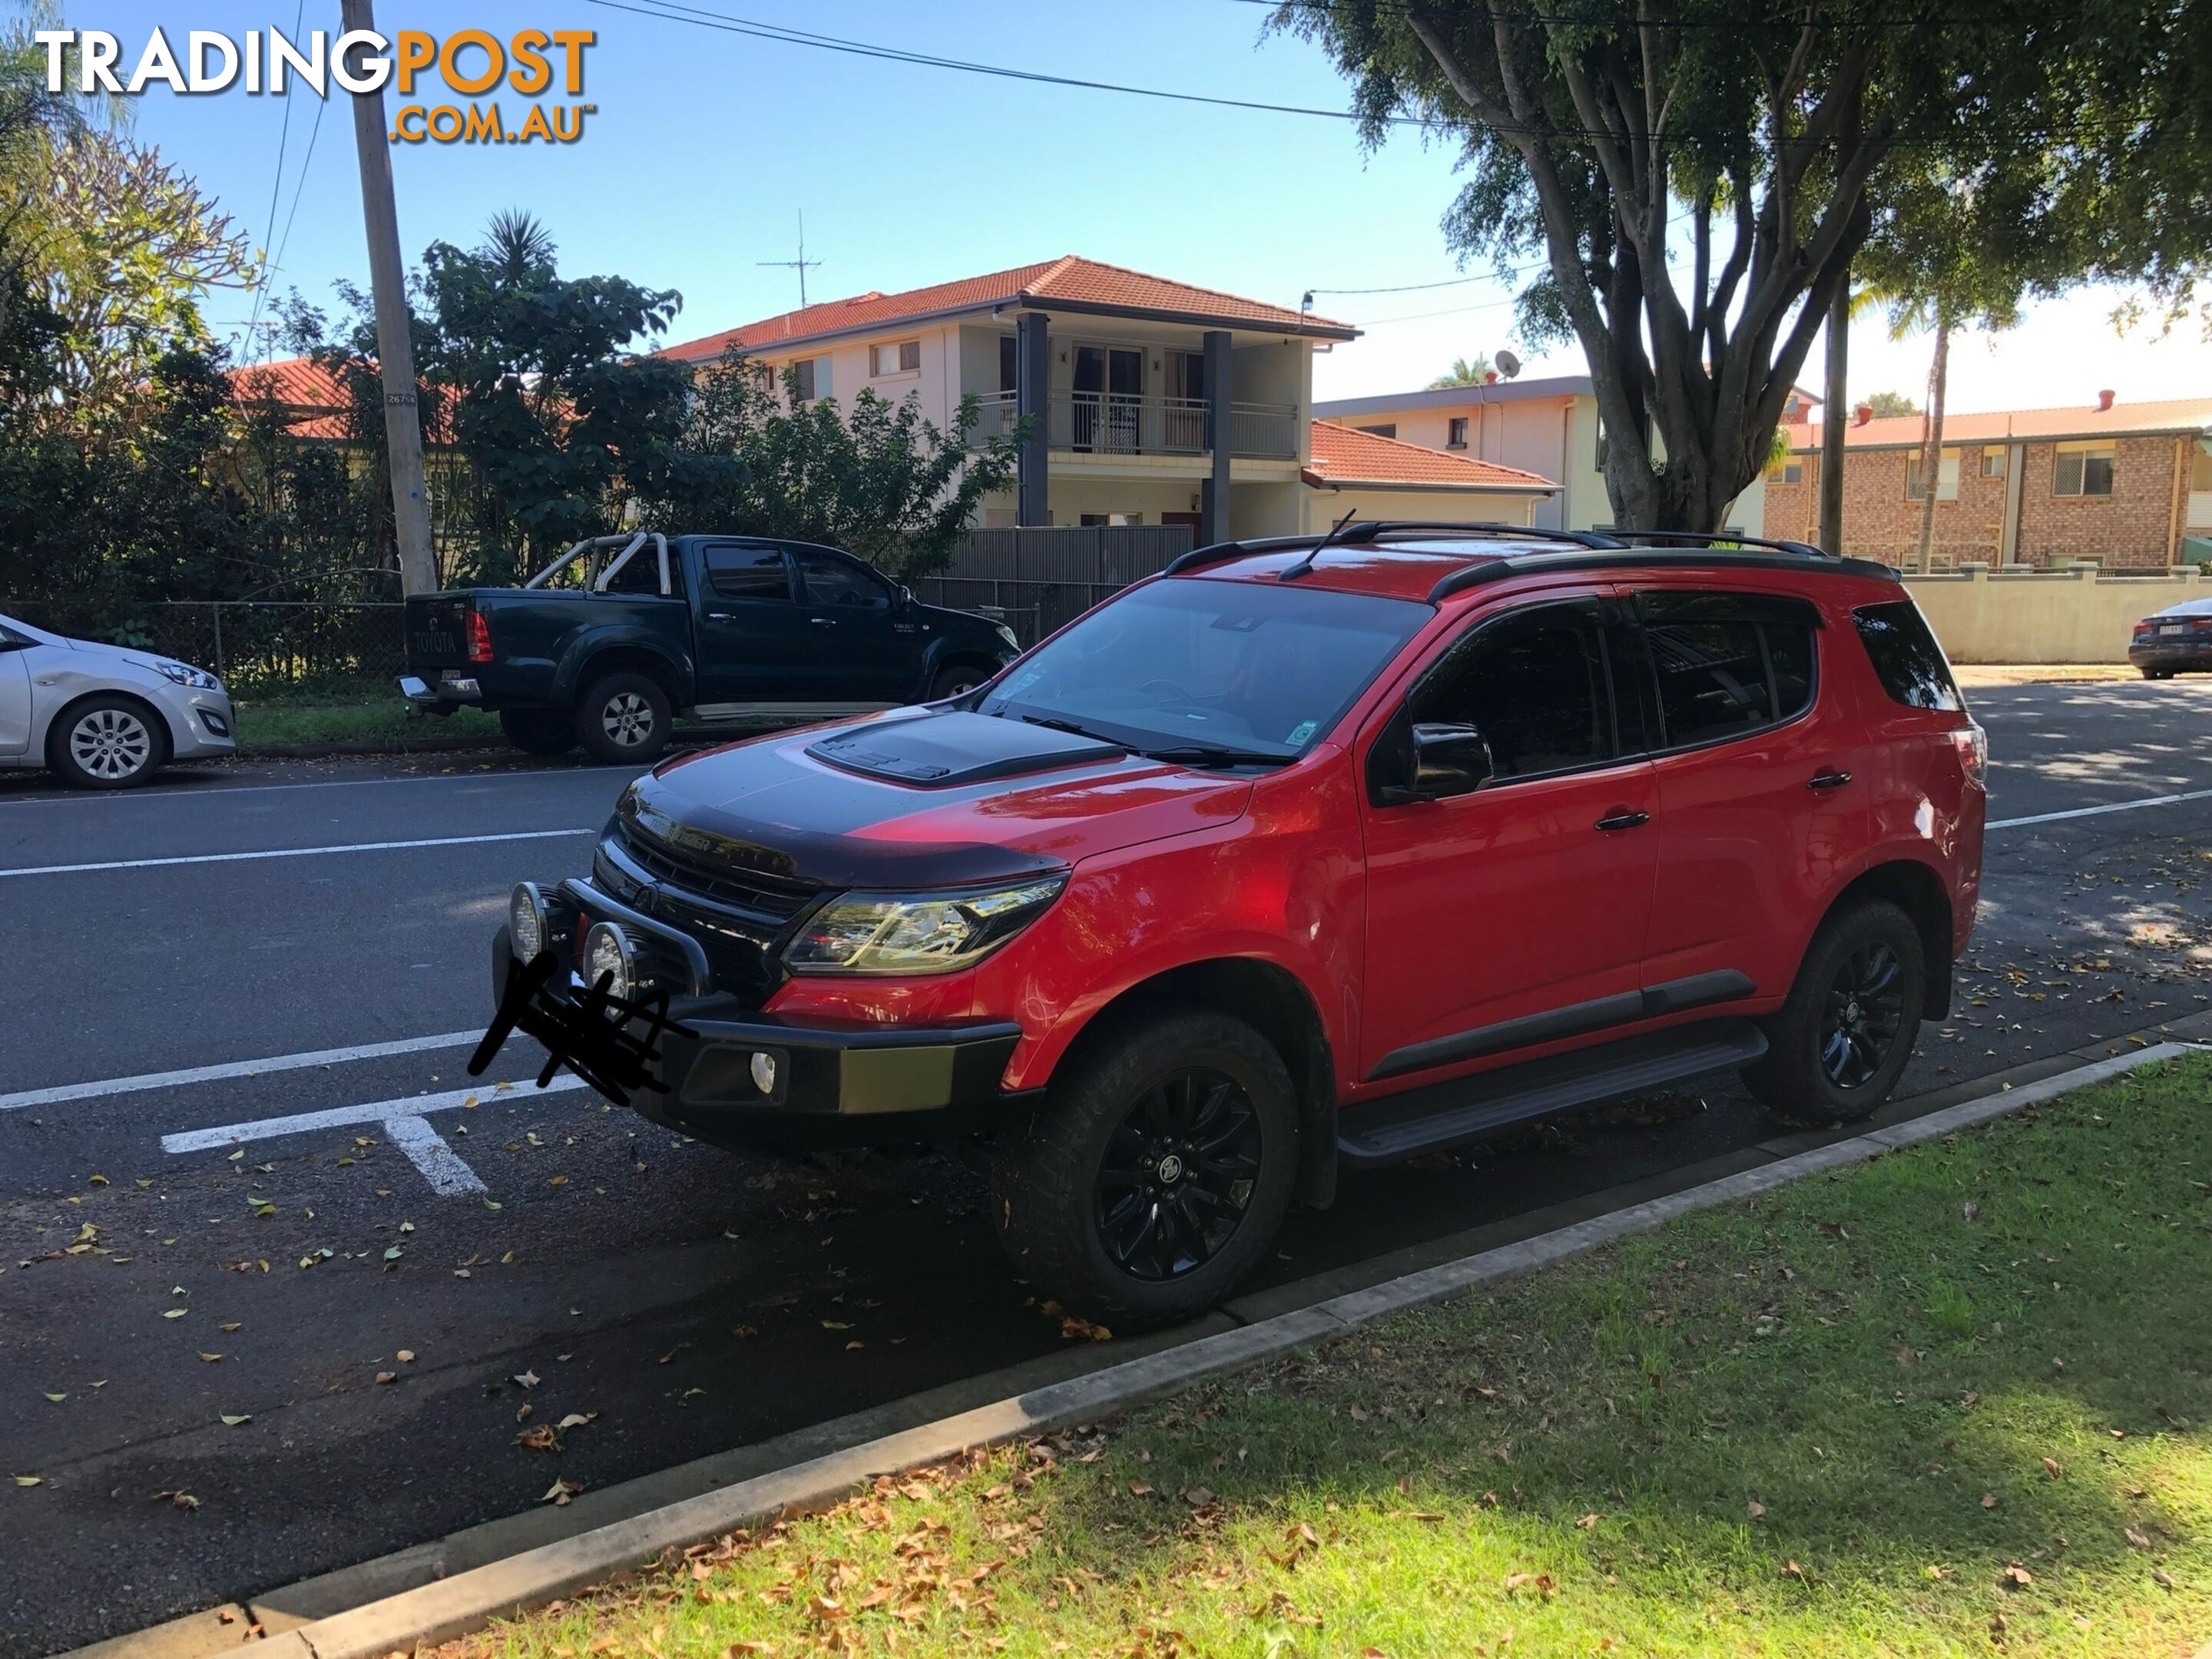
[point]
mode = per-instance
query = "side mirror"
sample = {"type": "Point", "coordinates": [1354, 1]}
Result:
{"type": "Point", "coordinates": [1429, 761]}
{"type": "Point", "coordinates": [905, 595]}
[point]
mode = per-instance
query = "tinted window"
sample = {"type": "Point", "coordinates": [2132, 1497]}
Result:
{"type": "Point", "coordinates": [1906, 658]}
{"type": "Point", "coordinates": [1249, 665]}
{"type": "Point", "coordinates": [833, 581]}
{"type": "Point", "coordinates": [748, 573]}
{"type": "Point", "coordinates": [1726, 663]}
{"type": "Point", "coordinates": [1533, 685]}
{"type": "Point", "coordinates": [640, 576]}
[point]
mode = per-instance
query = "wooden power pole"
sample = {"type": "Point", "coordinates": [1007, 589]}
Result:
{"type": "Point", "coordinates": [395, 344]}
{"type": "Point", "coordinates": [1832, 415]}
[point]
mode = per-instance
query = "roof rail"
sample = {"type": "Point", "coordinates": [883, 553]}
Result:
{"type": "Point", "coordinates": [1372, 530]}
{"type": "Point", "coordinates": [1723, 538]}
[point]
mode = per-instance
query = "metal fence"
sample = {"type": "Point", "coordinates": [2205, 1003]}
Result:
{"type": "Point", "coordinates": [1034, 580]}
{"type": "Point", "coordinates": [261, 648]}
{"type": "Point", "coordinates": [1039, 580]}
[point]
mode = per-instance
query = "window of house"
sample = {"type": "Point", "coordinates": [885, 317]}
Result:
{"type": "Point", "coordinates": [902, 358]}
{"type": "Point", "coordinates": [1387, 429]}
{"type": "Point", "coordinates": [2082, 468]}
{"type": "Point", "coordinates": [1946, 477]}
{"type": "Point", "coordinates": [1009, 364]}
{"type": "Point", "coordinates": [1456, 432]}
{"type": "Point", "coordinates": [1726, 663]}
{"type": "Point", "coordinates": [1600, 461]}
{"type": "Point", "coordinates": [1993, 463]}
{"type": "Point", "coordinates": [748, 573]}
{"type": "Point", "coordinates": [2200, 467]}
{"type": "Point", "coordinates": [808, 387]}
{"type": "Point", "coordinates": [1533, 683]}
{"type": "Point", "coordinates": [1788, 469]}
{"type": "Point", "coordinates": [1187, 375]}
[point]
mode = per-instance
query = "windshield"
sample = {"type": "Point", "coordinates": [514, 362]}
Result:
{"type": "Point", "coordinates": [1257, 669]}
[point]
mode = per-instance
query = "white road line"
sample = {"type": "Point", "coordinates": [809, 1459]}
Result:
{"type": "Point", "coordinates": [236, 1068]}
{"type": "Point", "coordinates": [426, 1150]}
{"type": "Point", "coordinates": [80, 798]}
{"type": "Point", "coordinates": [338, 1117]}
{"type": "Point", "coordinates": [2099, 812]}
{"type": "Point", "coordinates": [424, 1147]}
{"type": "Point", "coordinates": [291, 853]}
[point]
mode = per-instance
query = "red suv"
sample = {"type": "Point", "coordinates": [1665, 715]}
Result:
{"type": "Point", "coordinates": [1309, 853]}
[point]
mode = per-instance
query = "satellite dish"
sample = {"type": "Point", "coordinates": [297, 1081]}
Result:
{"type": "Point", "coordinates": [1508, 364]}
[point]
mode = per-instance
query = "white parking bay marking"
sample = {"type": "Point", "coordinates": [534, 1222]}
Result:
{"type": "Point", "coordinates": [403, 1127]}
{"type": "Point", "coordinates": [290, 853]}
{"type": "Point", "coordinates": [2099, 812]}
{"type": "Point", "coordinates": [234, 1069]}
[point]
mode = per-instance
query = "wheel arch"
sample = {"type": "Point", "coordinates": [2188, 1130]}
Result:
{"type": "Point", "coordinates": [956, 653]}
{"type": "Point", "coordinates": [1918, 890]}
{"type": "Point", "coordinates": [597, 655]}
{"type": "Point", "coordinates": [58, 722]}
{"type": "Point", "coordinates": [1274, 1002]}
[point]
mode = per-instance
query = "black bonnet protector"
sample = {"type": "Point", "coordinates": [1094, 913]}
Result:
{"type": "Point", "coordinates": [946, 750]}
{"type": "Point", "coordinates": [748, 809]}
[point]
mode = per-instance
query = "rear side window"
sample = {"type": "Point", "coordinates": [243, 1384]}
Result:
{"type": "Point", "coordinates": [748, 573]}
{"type": "Point", "coordinates": [1727, 664]}
{"type": "Point", "coordinates": [1533, 683]}
{"type": "Point", "coordinates": [1906, 659]}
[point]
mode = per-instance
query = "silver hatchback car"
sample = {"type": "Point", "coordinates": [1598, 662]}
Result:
{"type": "Point", "coordinates": [104, 716]}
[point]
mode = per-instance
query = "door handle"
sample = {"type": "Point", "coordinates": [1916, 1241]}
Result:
{"type": "Point", "coordinates": [824, 622]}
{"type": "Point", "coordinates": [720, 616]}
{"type": "Point", "coordinates": [1827, 779]}
{"type": "Point", "coordinates": [1624, 820]}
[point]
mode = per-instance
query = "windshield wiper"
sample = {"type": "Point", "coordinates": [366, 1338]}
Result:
{"type": "Point", "coordinates": [1069, 726]}
{"type": "Point", "coordinates": [1207, 754]}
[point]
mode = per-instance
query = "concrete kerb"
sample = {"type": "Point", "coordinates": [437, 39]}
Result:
{"type": "Point", "coordinates": [468, 1600]}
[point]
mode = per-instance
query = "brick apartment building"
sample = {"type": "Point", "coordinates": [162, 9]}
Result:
{"type": "Point", "coordinates": [2127, 485]}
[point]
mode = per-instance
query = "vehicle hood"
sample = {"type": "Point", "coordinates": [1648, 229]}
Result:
{"type": "Point", "coordinates": [921, 798]}
{"type": "Point", "coordinates": [124, 653]}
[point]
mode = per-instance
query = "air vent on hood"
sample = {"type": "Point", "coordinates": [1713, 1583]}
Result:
{"type": "Point", "coordinates": [939, 751]}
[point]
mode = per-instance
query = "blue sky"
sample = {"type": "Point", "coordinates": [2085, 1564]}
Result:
{"type": "Point", "coordinates": [706, 146]}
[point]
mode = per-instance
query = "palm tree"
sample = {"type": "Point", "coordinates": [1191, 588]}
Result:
{"type": "Point", "coordinates": [1463, 372]}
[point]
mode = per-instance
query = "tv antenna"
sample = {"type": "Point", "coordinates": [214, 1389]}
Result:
{"type": "Point", "coordinates": [802, 264]}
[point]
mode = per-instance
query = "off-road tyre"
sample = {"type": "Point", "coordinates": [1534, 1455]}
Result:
{"type": "Point", "coordinates": [1837, 1048]}
{"type": "Point", "coordinates": [624, 720]}
{"type": "Point", "coordinates": [1053, 1186]}
{"type": "Point", "coordinates": [956, 680]}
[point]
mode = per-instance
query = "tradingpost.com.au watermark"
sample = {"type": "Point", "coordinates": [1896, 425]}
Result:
{"type": "Point", "coordinates": [469, 62]}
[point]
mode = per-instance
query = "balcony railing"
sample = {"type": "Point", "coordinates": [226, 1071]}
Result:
{"type": "Point", "coordinates": [1115, 424]}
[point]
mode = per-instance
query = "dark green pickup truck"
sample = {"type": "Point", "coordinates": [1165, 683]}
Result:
{"type": "Point", "coordinates": [608, 645]}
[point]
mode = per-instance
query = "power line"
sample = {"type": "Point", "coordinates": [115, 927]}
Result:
{"type": "Point", "coordinates": [301, 189]}
{"type": "Point", "coordinates": [728, 23]}
{"type": "Point", "coordinates": [1793, 18]}
{"type": "Point", "coordinates": [276, 185]}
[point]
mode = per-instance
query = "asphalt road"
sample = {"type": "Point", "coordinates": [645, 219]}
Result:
{"type": "Point", "coordinates": [688, 1300]}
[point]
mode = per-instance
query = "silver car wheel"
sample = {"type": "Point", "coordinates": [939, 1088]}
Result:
{"type": "Point", "coordinates": [112, 744]}
{"type": "Point", "coordinates": [626, 719]}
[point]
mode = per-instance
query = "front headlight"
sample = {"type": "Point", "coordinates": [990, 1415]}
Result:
{"type": "Point", "coordinates": [1013, 640]}
{"type": "Point", "coordinates": [609, 955]}
{"type": "Point", "coordinates": [185, 674]}
{"type": "Point", "coordinates": [916, 933]}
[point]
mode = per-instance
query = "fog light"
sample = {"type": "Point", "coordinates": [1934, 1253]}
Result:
{"type": "Point", "coordinates": [526, 921]}
{"type": "Point", "coordinates": [764, 1070]}
{"type": "Point", "coordinates": [607, 955]}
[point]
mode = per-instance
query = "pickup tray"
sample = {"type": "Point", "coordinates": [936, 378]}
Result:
{"type": "Point", "coordinates": [1468, 1109]}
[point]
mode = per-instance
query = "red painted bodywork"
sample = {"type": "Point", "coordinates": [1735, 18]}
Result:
{"type": "Point", "coordinates": [1407, 923]}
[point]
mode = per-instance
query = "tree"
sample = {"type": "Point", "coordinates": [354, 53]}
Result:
{"type": "Point", "coordinates": [1887, 403]}
{"type": "Point", "coordinates": [1700, 180]}
{"type": "Point", "coordinates": [1463, 372]}
{"type": "Point", "coordinates": [880, 482]}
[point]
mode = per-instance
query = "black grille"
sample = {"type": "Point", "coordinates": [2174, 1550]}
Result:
{"type": "Point", "coordinates": [758, 895]}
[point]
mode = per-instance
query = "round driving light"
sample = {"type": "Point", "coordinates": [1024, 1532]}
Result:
{"type": "Point", "coordinates": [526, 921]}
{"type": "Point", "coordinates": [764, 1071]}
{"type": "Point", "coordinates": [607, 955]}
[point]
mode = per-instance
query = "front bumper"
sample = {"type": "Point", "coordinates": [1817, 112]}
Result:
{"type": "Point", "coordinates": [202, 724]}
{"type": "Point", "coordinates": [832, 1085]}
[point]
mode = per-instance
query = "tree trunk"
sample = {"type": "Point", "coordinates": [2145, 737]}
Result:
{"type": "Point", "coordinates": [1931, 450]}
{"type": "Point", "coordinates": [1833, 412]}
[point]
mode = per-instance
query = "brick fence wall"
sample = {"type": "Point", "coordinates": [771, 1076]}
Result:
{"type": "Point", "coordinates": [2129, 529]}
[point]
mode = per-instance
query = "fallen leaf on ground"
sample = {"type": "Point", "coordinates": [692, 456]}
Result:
{"type": "Point", "coordinates": [2051, 1467]}
{"type": "Point", "coordinates": [233, 1422]}
{"type": "Point", "coordinates": [1140, 1489]}
{"type": "Point", "coordinates": [210, 1358]}
{"type": "Point", "coordinates": [528, 1379]}
{"type": "Point", "coordinates": [1988, 1500]}
{"type": "Point", "coordinates": [30, 1480]}
{"type": "Point", "coordinates": [2159, 1577]}
{"type": "Point", "coordinates": [2017, 1577]}
{"type": "Point", "coordinates": [388, 1377]}
{"type": "Point", "coordinates": [406, 1355]}
{"type": "Point", "coordinates": [174, 1312]}
{"type": "Point", "coordinates": [543, 1438]}
{"type": "Point", "coordinates": [1756, 1510]}
{"type": "Point", "coordinates": [1588, 1521]}
{"type": "Point", "coordinates": [2141, 1541]}
{"type": "Point", "coordinates": [576, 1419]}
{"type": "Point", "coordinates": [560, 1492]}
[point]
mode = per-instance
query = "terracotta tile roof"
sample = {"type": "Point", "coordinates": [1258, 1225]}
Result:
{"type": "Point", "coordinates": [2175, 416]}
{"type": "Point", "coordinates": [315, 403]}
{"type": "Point", "coordinates": [1344, 456]}
{"type": "Point", "coordinates": [1069, 279]}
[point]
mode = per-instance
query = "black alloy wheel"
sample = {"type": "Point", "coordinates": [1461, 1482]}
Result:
{"type": "Point", "coordinates": [1179, 1173]}
{"type": "Point", "coordinates": [1864, 1012]}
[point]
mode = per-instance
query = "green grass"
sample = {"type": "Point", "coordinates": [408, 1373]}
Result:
{"type": "Point", "coordinates": [1846, 1417]}
{"type": "Point", "coordinates": [388, 722]}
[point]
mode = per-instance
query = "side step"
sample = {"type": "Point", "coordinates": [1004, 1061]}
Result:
{"type": "Point", "coordinates": [1466, 1109]}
